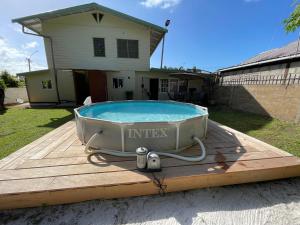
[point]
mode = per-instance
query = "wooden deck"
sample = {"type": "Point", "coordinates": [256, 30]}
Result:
{"type": "Point", "coordinates": [54, 169]}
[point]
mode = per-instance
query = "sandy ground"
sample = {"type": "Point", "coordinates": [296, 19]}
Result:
{"type": "Point", "coordinates": [276, 202]}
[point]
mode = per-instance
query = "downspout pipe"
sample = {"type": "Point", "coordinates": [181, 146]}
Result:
{"type": "Point", "coordinates": [52, 57]}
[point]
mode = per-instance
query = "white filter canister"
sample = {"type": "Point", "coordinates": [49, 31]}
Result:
{"type": "Point", "coordinates": [141, 157]}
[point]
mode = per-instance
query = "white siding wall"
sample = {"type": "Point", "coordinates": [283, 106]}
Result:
{"type": "Point", "coordinates": [34, 85]}
{"type": "Point", "coordinates": [144, 78]}
{"type": "Point", "coordinates": [128, 81]}
{"type": "Point", "coordinates": [66, 85]}
{"type": "Point", "coordinates": [73, 42]}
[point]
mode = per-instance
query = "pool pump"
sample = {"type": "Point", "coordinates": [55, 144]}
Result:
{"type": "Point", "coordinates": [147, 161]}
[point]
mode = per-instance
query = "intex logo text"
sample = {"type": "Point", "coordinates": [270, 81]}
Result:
{"type": "Point", "coordinates": [148, 133]}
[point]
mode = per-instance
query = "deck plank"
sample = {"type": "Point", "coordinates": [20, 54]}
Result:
{"type": "Point", "coordinates": [100, 166]}
{"type": "Point", "coordinates": [54, 169]}
{"type": "Point", "coordinates": [66, 189]}
{"type": "Point", "coordinates": [35, 146]}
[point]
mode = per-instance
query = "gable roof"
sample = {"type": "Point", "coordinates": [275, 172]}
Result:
{"type": "Point", "coordinates": [291, 50]}
{"type": "Point", "coordinates": [34, 22]}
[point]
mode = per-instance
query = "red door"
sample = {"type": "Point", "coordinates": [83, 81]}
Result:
{"type": "Point", "coordinates": [98, 87]}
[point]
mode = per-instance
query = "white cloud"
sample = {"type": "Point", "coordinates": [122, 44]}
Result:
{"type": "Point", "coordinates": [28, 45]}
{"type": "Point", "coordinates": [164, 4]}
{"type": "Point", "coordinates": [13, 59]}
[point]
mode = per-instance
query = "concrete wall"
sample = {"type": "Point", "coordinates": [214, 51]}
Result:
{"type": "Point", "coordinates": [278, 101]}
{"type": "Point", "coordinates": [274, 90]}
{"type": "Point", "coordinates": [11, 94]}
{"type": "Point", "coordinates": [73, 42]}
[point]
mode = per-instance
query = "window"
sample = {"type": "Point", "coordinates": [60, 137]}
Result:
{"type": "Point", "coordinates": [46, 84]}
{"type": "Point", "coordinates": [118, 82]}
{"type": "Point", "coordinates": [164, 84]}
{"type": "Point", "coordinates": [128, 48]}
{"type": "Point", "coordinates": [183, 86]}
{"type": "Point", "coordinates": [173, 85]}
{"type": "Point", "coordinates": [99, 47]}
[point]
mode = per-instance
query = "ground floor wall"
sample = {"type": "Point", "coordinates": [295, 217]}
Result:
{"type": "Point", "coordinates": [120, 85]}
{"type": "Point", "coordinates": [278, 101]}
{"type": "Point", "coordinates": [66, 86]}
{"type": "Point", "coordinates": [35, 89]}
{"type": "Point", "coordinates": [170, 86]}
{"type": "Point", "coordinates": [41, 86]}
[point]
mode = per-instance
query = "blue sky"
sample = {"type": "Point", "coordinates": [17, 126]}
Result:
{"type": "Point", "coordinates": [208, 34]}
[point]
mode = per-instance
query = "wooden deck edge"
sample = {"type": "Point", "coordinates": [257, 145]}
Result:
{"type": "Point", "coordinates": [173, 184]}
{"type": "Point", "coordinates": [27, 148]}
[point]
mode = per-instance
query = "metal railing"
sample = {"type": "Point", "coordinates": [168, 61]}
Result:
{"type": "Point", "coordinates": [254, 79]}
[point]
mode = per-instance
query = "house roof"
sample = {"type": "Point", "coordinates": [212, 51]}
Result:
{"type": "Point", "coordinates": [290, 51]}
{"type": "Point", "coordinates": [189, 74]}
{"type": "Point", "coordinates": [32, 72]}
{"type": "Point", "coordinates": [34, 22]}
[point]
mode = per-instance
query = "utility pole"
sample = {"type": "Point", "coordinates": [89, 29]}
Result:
{"type": "Point", "coordinates": [167, 23]}
{"type": "Point", "coordinates": [28, 59]}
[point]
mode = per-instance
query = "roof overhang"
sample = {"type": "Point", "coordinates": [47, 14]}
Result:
{"type": "Point", "coordinates": [34, 22]}
{"type": "Point", "coordinates": [32, 72]}
{"type": "Point", "coordinates": [190, 76]}
{"type": "Point", "coordinates": [296, 56]}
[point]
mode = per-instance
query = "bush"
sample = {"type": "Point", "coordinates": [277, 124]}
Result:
{"type": "Point", "coordinates": [9, 80]}
{"type": "Point", "coordinates": [2, 84]}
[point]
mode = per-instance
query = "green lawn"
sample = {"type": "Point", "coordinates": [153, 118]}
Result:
{"type": "Point", "coordinates": [19, 127]}
{"type": "Point", "coordinates": [283, 135]}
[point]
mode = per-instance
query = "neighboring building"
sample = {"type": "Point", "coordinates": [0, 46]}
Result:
{"type": "Point", "coordinates": [267, 84]}
{"type": "Point", "coordinates": [95, 51]}
{"type": "Point", "coordinates": [279, 61]}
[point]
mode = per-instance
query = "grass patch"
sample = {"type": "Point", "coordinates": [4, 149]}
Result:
{"type": "Point", "coordinates": [283, 135]}
{"type": "Point", "coordinates": [19, 127]}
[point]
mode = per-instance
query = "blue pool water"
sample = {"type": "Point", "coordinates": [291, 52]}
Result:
{"type": "Point", "coordinates": [141, 111]}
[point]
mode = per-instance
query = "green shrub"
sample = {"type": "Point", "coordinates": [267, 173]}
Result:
{"type": "Point", "coordinates": [9, 80]}
{"type": "Point", "coordinates": [2, 84]}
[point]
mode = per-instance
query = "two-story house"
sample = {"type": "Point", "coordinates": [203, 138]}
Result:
{"type": "Point", "coordinates": [95, 51]}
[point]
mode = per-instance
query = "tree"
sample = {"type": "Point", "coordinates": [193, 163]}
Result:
{"type": "Point", "coordinates": [293, 21]}
{"type": "Point", "coordinates": [2, 84]}
{"type": "Point", "coordinates": [9, 80]}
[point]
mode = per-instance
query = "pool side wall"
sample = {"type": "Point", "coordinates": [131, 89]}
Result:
{"type": "Point", "coordinates": [159, 136]}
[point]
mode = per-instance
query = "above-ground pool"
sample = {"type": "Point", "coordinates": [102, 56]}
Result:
{"type": "Point", "coordinates": [164, 126]}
